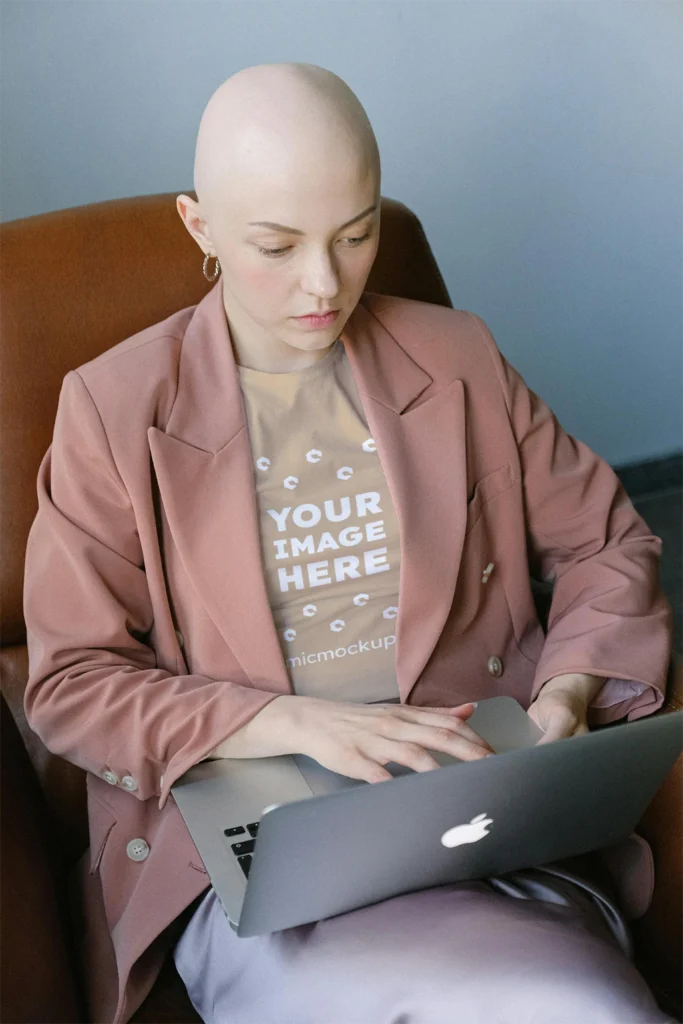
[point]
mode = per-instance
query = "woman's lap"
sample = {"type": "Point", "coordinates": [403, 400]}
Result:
{"type": "Point", "coordinates": [468, 953]}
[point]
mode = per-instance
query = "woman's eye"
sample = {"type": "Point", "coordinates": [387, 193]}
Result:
{"type": "Point", "coordinates": [272, 252]}
{"type": "Point", "coordinates": [356, 242]}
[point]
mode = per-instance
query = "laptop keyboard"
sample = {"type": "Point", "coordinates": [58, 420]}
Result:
{"type": "Point", "coordinates": [244, 848]}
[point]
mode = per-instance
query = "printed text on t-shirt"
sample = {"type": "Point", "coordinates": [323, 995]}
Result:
{"type": "Point", "coordinates": [342, 567]}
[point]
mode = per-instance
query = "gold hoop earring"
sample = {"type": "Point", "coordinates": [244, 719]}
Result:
{"type": "Point", "coordinates": [217, 268]}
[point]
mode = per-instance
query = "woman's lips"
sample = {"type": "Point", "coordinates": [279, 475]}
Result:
{"type": "Point", "coordinates": [317, 321]}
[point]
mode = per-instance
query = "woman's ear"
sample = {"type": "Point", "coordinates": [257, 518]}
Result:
{"type": "Point", "coordinates": [190, 213]}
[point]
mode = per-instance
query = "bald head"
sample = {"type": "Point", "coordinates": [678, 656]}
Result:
{"type": "Point", "coordinates": [281, 126]}
{"type": "Point", "coordinates": [287, 175]}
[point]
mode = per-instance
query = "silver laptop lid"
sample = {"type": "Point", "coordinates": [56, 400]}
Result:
{"type": "Point", "coordinates": [326, 855]}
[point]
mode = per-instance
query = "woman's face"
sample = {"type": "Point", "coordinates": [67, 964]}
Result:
{"type": "Point", "coordinates": [318, 259]}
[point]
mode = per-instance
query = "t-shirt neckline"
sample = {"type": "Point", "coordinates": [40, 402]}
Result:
{"type": "Point", "coordinates": [321, 366]}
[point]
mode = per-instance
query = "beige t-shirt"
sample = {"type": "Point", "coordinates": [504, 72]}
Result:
{"type": "Point", "coordinates": [328, 529]}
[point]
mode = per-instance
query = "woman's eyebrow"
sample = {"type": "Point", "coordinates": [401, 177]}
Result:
{"type": "Point", "coordinates": [295, 231]}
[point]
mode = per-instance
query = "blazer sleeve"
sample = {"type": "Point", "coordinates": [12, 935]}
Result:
{"type": "Point", "coordinates": [609, 616]}
{"type": "Point", "coordinates": [94, 694]}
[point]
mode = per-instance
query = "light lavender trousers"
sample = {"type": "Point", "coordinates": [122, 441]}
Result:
{"type": "Point", "coordinates": [531, 948]}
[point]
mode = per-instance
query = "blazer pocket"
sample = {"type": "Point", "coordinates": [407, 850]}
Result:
{"type": "Point", "coordinates": [487, 488]}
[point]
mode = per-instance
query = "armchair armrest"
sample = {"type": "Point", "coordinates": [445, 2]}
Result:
{"type": "Point", "coordinates": [674, 690]}
{"type": "Point", "coordinates": [37, 977]}
{"type": "Point", "coordinates": [658, 935]}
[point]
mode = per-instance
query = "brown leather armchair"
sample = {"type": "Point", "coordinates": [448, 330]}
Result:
{"type": "Point", "coordinates": [74, 283]}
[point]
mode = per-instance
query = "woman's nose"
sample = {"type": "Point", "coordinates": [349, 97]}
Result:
{"type": "Point", "coordinates": [321, 277]}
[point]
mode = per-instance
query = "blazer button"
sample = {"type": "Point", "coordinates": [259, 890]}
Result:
{"type": "Point", "coordinates": [495, 666]}
{"type": "Point", "coordinates": [487, 572]}
{"type": "Point", "coordinates": [137, 849]}
{"type": "Point", "coordinates": [129, 783]}
{"type": "Point", "coordinates": [110, 777]}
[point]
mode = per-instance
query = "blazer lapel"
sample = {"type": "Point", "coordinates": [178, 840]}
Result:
{"type": "Point", "coordinates": [419, 433]}
{"type": "Point", "coordinates": [204, 470]}
{"type": "Point", "coordinates": [203, 464]}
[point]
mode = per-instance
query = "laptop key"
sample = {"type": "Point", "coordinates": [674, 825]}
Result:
{"type": "Point", "coordinates": [236, 831]}
{"type": "Point", "coordinates": [253, 828]}
{"type": "Point", "coordinates": [246, 847]}
{"type": "Point", "coordinates": [245, 864]}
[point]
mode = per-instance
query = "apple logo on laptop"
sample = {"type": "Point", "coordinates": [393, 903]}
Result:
{"type": "Point", "coordinates": [469, 833]}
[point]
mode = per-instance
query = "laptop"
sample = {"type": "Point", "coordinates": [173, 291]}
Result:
{"type": "Point", "coordinates": [285, 841]}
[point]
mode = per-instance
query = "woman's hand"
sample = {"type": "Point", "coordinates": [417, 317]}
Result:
{"type": "Point", "coordinates": [357, 739]}
{"type": "Point", "coordinates": [561, 706]}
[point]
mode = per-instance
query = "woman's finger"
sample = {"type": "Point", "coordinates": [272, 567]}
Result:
{"type": "Point", "coordinates": [452, 723]}
{"type": "Point", "coordinates": [465, 709]}
{"type": "Point", "coordinates": [460, 710]}
{"type": "Point", "coordinates": [412, 755]}
{"type": "Point", "coordinates": [559, 723]}
{"type": "Point", "coordinates": [426, 738]}
{"type": "Point", "coordinates": [367, 769]}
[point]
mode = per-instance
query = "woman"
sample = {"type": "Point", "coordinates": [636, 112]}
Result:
{"type": "Point", "coordinates": [223, 514]}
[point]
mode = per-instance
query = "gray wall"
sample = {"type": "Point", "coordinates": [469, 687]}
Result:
{"type": "Point", "coordinates": [540, 143]}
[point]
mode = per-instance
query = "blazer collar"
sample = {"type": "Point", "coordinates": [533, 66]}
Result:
{"type": "Point", "coordinates": [203, 464]}
{"type": "Point", "coordinates": [208, 410]}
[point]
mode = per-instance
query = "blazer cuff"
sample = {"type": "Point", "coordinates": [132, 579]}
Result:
{"type": "Point", "coordinates": [251, 702]}
{"type": "Point", "coordinates": [619, 698]}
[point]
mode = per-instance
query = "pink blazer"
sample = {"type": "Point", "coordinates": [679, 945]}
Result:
{"type": "Point", "coordinates": [149, 629]}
